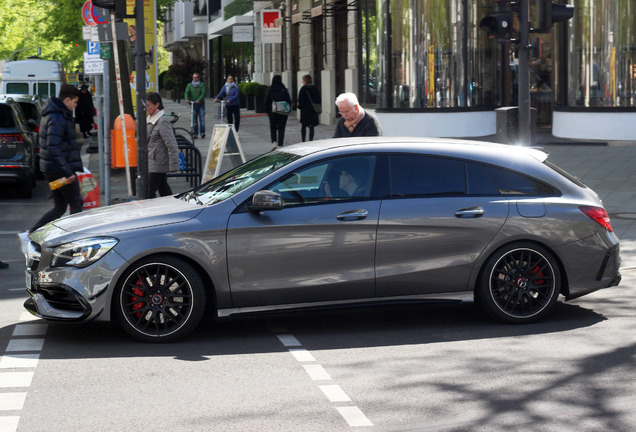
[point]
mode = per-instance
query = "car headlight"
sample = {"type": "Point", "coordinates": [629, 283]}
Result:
{"type": "Point", "coordinates": [82, 253]}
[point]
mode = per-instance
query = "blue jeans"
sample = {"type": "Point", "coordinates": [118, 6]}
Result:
{"type": "Point", "coordinates": [199, 119]}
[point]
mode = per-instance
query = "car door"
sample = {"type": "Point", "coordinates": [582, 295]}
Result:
{"type": "Point", "coordinates": [320, 247]}
{"type": "Point", "coordinates": [431, 229]}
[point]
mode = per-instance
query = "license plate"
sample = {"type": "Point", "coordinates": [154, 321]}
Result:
{"type": "Point", "coordinates": [29, 279]}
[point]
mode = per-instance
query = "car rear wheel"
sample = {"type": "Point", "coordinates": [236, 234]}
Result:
{"type": "Point", "coordinates": [162, 299]}
{"type": "Point", "coordinates": [520, 283]}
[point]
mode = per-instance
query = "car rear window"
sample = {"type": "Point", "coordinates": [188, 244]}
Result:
{"type": "Point", "coordinates": [577, 181]}
{"type": "Point", "coordinates": [6, 117]}
{"type": "Point", "coordinates": [18, 88]}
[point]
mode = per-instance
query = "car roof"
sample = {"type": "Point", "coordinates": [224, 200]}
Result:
{"type": "Point", "coordinates": [448, 147]}
{"type": "Point", "coordinates": [21, 98]}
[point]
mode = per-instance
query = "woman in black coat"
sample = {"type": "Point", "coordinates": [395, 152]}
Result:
{"type": "Point", "coordinates": [308, 96]}
{"type": "Point", "coordinates": [277, 121]}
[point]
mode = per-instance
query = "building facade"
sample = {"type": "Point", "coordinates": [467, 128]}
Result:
{"type": "Point", "coordinates": [427, 68]}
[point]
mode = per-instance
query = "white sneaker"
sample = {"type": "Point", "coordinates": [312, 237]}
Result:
{"type": "Point", "coordinates": [24, 241]}
{"type": "Point", "coordinates": [274, 146]}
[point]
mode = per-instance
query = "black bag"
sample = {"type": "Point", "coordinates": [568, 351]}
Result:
{"type": "Point", "coordinates": [316, 106]}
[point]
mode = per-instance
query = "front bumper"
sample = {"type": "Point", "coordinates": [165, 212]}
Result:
{"type": "Point", "coordinates": [69, 293]}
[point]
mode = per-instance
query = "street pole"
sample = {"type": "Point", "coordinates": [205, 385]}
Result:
{"type": "Point", "coordinates": [142, 131]}
{"type": "Point", "coordinates": [106, 131]}
{"type": "Point", "coordinates": [524, 121]}
{"type": "Point", "coordinates": [121, 104]}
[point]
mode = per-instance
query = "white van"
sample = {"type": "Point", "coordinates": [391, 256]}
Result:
{"type": "Point", "coordinates": [33, 76]}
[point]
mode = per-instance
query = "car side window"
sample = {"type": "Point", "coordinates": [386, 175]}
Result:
{"type": "Point", "coordinates": [336, 179]}
{"type": "Point", "coordinates": [513, 183]}
{"type": "Point", "coordinates": [413, 175]}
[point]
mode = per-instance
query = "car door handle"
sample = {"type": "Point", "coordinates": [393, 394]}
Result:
{"type": "Point", "coordinates": [473, 212]}
{"type": "Point", "coordinates": [353, 214]}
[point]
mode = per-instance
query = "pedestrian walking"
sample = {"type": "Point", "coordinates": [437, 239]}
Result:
{"type": "Point", "coordinates": [163, 151]}
{"type": "Point", "coordinates": [230, 92]}
{"type": "Point", "coordinates": [355, 120]}
{"type": "Point", "coordinates": [277, 105]}
{"type": "Point", "coordinates": [85, 111]}
{"type": "Point", "coordinates": [59, 157]}
{"type": "Point", "coordinates": [195, 93]}
{"type": "Point", "coordinates": [309, 105]}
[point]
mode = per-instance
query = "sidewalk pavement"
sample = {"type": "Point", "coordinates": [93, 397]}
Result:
{"type": "Point", "coordinates": [607, 168]}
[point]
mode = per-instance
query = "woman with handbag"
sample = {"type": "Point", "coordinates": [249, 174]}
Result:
{"type": "Point", "coordinates": [309, 106]}
{"type": "Point", "coordinates": [278, 106]}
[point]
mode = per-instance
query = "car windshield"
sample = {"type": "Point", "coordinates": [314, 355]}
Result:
{"type": "Point", "coordinates": [239, 178]}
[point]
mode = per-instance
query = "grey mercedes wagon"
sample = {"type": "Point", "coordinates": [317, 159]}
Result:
{"type": "Point", "coordinates": [343, 222]}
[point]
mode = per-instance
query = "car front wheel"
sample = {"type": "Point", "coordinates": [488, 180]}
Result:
{"type": "Point", "coordinates": [162, 299]}
{"type": "Point", "coordinates": [520, 283]}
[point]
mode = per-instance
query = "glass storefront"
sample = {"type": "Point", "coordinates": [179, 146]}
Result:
{"type": "Point", "coordinates": [602, 54]}
{"type": "Point", "coordinates": [429, 54]}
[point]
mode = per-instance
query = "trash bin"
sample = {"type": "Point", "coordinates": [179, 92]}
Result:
{"type": "Point", "coordinates": [508, 125]}
{"type": "Point", "coordinates": [118, 157]}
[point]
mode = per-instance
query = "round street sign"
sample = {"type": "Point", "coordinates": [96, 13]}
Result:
{"type": "Point", "coordinates": [96, 16]}
{"type": "Point", "coordinates": [87, 13]}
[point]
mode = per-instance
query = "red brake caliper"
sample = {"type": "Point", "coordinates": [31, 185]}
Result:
{"type": "Point", "coordinates": [139, 304]}
{"type": "Point", "coordinates": [534, 272]}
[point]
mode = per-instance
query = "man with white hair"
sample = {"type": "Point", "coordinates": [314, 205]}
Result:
{"type": "Point", "coordinates": [355, 120]}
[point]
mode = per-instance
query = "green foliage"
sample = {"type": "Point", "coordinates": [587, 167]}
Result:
{"type": "Point", "coordinates": [181, 71]}
{"type": "Point", "coordinates": [261, 90]}
{"type": "Point", "coordinates": [249, 88]}
{"type": "Point", "coordinates": [53, 25]}
{"type": "Point", "coordinates": [237, 7]}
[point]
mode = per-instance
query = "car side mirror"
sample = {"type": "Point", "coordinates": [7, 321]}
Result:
{"type": "Point", "coordinates": [266, 200]}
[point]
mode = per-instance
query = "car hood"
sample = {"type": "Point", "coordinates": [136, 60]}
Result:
{"type": "Point", "coordinates": [122, 217]}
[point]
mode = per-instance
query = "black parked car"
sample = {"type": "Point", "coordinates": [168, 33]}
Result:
{"type": "Point", "coordinates": [17, 150]}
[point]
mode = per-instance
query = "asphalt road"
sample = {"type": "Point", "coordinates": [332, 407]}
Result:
{"type": "Point", "coordinates": [413, 368]}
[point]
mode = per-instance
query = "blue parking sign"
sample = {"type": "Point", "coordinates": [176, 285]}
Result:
{"type": "Point", "coordinates": [92, 47]}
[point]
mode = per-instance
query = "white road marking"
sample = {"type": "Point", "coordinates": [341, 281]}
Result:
{"type": "Point", "coordinates": [12, 401]}
{"type": "Point", "coordinates": [354, 416]}
{"type": "Point", "coordinates": [334, 393]}
{"type": "Point", "coordinates": [288, 340]}
{"type": "Point", "coordinates": [302, 355]}
{"type": "Point", "coordinates": [15, 379]}
{"type": "Point", "coordinates": [13, 361]}
{"type": "Point", "coordinates": [351, 414]}
{"type": "Point", "coordinates": [30, 330]}
{"type": "Point", "coordinates": [34, 344]}
{"type": "Point", "coordinates": [317, 372]}
{"type": "Point", "coordinates": [9, 423]}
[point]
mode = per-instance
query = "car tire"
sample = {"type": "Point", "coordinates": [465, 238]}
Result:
{"type": "Point", "coordinates": [519, 283]}
{"type": "Point", "coordinates": [25, 189]}
{"type": "Point", "coordinates": [161, 299]}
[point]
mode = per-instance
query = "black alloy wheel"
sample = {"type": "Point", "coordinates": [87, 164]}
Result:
{"type": "Point", "coordinates": [520, 283]}
{"type": "Point", "coordinates": [162, 299]}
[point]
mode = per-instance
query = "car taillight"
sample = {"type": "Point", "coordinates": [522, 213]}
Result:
{"type": "Point", "coordinates": [11, 137]}
{"type": "Point", "coordinates": [599, 215]}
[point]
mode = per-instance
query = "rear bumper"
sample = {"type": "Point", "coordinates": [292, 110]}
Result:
{"type": "Point", "coordinates": [15, 175]}
{"type": "Point", "coordinates": [591, 264]}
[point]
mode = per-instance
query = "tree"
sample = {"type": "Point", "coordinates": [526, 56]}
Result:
{"type": "Point", "coordinates": [53, 25]}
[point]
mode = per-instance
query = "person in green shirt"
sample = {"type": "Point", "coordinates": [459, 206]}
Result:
{"type": "Point", "coordinates": [195, 93]}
